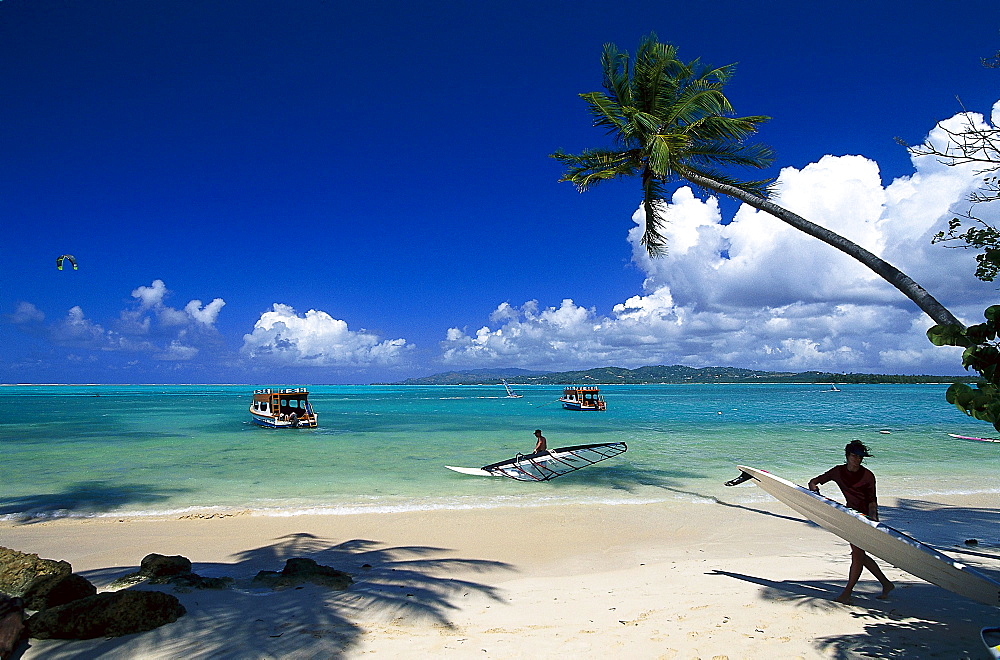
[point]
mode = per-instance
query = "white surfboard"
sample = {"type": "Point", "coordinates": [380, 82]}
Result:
{"type": "Point", "coordinates": [476, 472]}
{"type": "Point", "coordinates": [880, 540]}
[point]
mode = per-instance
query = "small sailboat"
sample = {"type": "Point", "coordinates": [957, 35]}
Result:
{"type": "Point", "coordinates": [510, 392]}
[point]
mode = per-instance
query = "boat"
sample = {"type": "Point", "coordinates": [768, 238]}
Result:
{"type": "Point", "coordinates": [547, 465]}
{"type": "Point", "coordinates": [582, 398]}
{"type": "Point", "coordinates": [287, 408]}
{"type": "Point", "coordinates": [510, 392]}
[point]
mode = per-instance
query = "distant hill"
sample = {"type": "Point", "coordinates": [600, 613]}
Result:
{"type": "Point", "coordinates": [662, 374]}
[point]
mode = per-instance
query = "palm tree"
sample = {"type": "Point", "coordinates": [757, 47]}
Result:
{"type": "Point", "coordinates": [671, 121]}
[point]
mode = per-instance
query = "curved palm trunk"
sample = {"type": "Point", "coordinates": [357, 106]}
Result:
{"type": "Point", "coordinates": [925, 301]}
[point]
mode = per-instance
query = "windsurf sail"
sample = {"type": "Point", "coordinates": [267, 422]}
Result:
{"type": "Point", "coordinates": [547, 465]}
{"type": "Point", "coordinates": [510, 392]}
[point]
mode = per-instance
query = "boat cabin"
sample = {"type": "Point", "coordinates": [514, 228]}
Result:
{"type": "Point", "coordinates": [582, 398]}
{"type": "Point", "coordinates": [283, 408]}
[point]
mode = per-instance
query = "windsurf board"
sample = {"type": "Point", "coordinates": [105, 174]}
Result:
{"type": "Point", "coordinates": [969, 437]}
{"type": "Point", "coordinates": [476, 472]}
{"type": "Point", "coordinates": [890, 545]}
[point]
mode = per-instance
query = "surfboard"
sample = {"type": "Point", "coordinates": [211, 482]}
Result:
{"type": "Point", "coordinates": [876, 538]}
{"type": "Point", "coordinates": [476, 472]}
{"type": "Point", "coordinates": [547, 465]}
{"type": "Point", "coordinates": [991, 638]}
{"type": "Point", "coordinates": [969, 437]}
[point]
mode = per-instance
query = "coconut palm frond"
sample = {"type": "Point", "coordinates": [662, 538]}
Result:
{"type": "Point", "coordinates": [757, 156]}
{"type": "Point", "coordinates": [654, 205]}
{"type": "Point", "coordinates": [617, 78]}
{"type": "Point", "coordinates": [596, 165]}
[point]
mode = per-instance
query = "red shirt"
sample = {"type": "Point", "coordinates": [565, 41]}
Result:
{"type": "Point", "coordinates": [858, 487]}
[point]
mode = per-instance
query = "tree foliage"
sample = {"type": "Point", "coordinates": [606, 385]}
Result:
{"type": "Point", "coordinates": [982, 354]}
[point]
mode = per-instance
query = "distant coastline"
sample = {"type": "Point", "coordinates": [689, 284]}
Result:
{"type": "Point", "coordinates": [672, 375]}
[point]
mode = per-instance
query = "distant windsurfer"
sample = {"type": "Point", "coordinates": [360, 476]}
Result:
{"type": "Point", "coordinates": [540, 445]}
{"type": "Point", "coordinates": [857, 483]}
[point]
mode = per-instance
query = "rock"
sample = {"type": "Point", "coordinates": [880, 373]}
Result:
{"type": "Point", "coordinates": [971, 542]}
{"type": "Point", "coordinates": [159, 566]}
{"type": "Point", "coordinates": [298, 570]}
{"type": "Point", "coordinates": [21, 572]}
{"type": "Point", "coordinates": [11, 625]}
{"type": "Point", "coordinates": [50, 592]}
{"type": "Point", "coordinates": [195, 581]}
{"type": "Point", "coordinates": [176, 570]}
{"type": "Point", "coordinates": [109, 614]}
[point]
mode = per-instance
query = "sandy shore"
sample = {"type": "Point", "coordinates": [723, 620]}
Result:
{"type": "Point", "coordinates": [701, 580]}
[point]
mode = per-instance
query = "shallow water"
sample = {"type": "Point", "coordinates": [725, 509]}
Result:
{"type": "Point", "coordinates": [152, 450]}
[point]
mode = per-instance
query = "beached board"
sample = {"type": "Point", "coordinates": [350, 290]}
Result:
{"type": "Point", "coordinates": [547, 465]}
{"type": "Point", "coordinates": [991, 638]}
{"type": "Point", "coordinates": [880, 540]}
{"type": "Point", "coordinates": [969, 437]}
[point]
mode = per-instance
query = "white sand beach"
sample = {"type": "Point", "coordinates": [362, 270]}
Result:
{"type": "Point", "coordinates": [699, 580]}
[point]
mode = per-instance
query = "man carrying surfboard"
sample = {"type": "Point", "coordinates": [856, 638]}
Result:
{"type": "Point", "coordinates": [857, 483]}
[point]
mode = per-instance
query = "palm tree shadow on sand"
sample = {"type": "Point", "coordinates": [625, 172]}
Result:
{"type": "Point", "coordinates": [82, 498]}
{"type": "Point", "coordinates": [393, 586]}
{"type": "Point", "coordinates": [918, 620]}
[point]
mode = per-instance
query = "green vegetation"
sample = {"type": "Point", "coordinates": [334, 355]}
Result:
{"type": "Point", "coordinates": [675, 374]}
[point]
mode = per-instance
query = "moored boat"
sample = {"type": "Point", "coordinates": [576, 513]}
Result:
{"type": "Point", "coordinates": [582, 398]}
{"type": "Point", "coordinates": [287, 408]}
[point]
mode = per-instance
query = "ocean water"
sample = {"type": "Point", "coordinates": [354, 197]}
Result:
{"type": "Point", "coordinates": [162, 450]}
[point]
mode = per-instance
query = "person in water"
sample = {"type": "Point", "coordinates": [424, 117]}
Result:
{"type": "Point", "coordinates": [540, 441]}
{"type": "Point", "coordinates": [857, 483]}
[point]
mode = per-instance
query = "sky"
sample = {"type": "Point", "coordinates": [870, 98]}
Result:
{"type": "Point", "coordinates": [329, 192]}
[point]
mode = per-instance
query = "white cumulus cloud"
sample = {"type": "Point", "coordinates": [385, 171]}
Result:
{"type": "Point", "coordinates": [317, 339]}
{"type": "Point", "coordinates": [26, 313]}
{"type": "Point", "coordinates": [149, 326]}
{"type": "Point", "coordinates": [751, 291]}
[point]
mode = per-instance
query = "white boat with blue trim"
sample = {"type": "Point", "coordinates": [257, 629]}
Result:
{"type": "Point", "coordinates": [287, 408]}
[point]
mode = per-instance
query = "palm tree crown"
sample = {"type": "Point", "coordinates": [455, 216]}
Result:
{"type": "Point", "coordinates": [669, 119]}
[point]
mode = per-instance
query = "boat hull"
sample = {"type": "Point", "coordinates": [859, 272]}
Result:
{"type": "Point", "coordinates": [576, 405]}
{"type": "Point", "coordinates": [272, 422]}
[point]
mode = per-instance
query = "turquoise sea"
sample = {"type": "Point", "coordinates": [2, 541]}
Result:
{"type": "Point", "coordinates": [91, 450]}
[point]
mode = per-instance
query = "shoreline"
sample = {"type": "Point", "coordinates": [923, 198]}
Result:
{"type": "Point", "coordinates": [652, 580]}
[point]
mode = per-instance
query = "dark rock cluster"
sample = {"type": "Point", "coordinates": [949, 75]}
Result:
{"type": "Point", "coordinates": [173, 570]}
{"type": "Point", "coordinates": [299, 570]}
{"type": "Point", "coordinates": [67, 605]}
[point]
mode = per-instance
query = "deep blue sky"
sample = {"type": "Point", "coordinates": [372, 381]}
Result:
{"type": "Point", "coordinates": [386, 163]}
